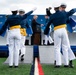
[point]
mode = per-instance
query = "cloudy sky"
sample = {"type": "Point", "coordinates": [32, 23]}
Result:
{"type": "Point", "coordinates": [27, 5]}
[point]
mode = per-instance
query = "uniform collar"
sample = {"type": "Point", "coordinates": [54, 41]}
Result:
{"type": "Point", "coordinates": [57, 11]}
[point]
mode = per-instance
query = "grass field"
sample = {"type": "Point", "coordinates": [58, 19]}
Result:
{"type": "Point", "coordinates": [22, 70]}
{"type": "Point", "coordinates": [50, 70]}
{"type": "Point", "coordinates": [25, 69]}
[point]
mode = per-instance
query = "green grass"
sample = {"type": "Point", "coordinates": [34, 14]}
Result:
{"type": "Point", "coordinates": [50, 70]}
{"type": "Point", "coordinates": [23, 69]}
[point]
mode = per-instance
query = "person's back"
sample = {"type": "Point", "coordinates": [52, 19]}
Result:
{"type": "Point", "coordinates": [58, 18]}
{"type": "Point", "coordinates": [24, 24]}
{"type": "Point", "coordinates": [13, 20]}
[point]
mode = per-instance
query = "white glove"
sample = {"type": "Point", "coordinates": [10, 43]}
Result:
{"type": "Point", "coordinates": [74, 27]}
{"type": "Point", "coordinates": [34, 8]}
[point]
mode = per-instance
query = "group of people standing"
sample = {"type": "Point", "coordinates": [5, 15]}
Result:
{"type": "Point", "coordinates": [17, 32]}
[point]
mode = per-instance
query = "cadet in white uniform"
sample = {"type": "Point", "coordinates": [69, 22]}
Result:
{"type": "Point", "coordinates": [70, 52]}
{"type": "Point", "coordinates": [48, 38]}
{"type": "Point", "coordinates": [14, 37]}
{"type": "Point", "coordinates": [60, 34]}
{"type": "Point", "coordinates": [23, 35]}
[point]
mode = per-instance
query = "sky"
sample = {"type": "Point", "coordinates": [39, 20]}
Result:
{"type": "Point", "coordinates": [27, 5]}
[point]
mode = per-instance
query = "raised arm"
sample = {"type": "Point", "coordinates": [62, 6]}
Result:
{"type": "Point", "coordinates": [48, 11]}
{"type": "Point", "coordinates": [29, 13]}
{"type": "Point", "coordinates": [71, 12]}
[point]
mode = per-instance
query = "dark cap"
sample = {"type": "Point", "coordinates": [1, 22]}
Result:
{"type": "Point", "coordinates": [63, 5]}
{"type": "Point", "coordinates": [50, 8]}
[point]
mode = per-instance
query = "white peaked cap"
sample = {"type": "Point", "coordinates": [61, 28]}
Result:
{"type": "Point", "coordinates": [56, 4]}
{"type": "Point", "coordinates": [22, 10]}
{"type": "Point", "coordinates": [63, 4]}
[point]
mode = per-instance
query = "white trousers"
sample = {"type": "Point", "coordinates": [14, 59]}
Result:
{"type": "Point", "coordinates": [22, 45]}
{"type": "Point", "coordinates": [14, 46]}
{"type": "Point", "coordinates": [48, 38]}
{"type": "Point", "coordinates": [7, 37]}
{"type": "Point", "coordinates": [70, 53]}
{"type": "Point", "coordinates": [61, 40]}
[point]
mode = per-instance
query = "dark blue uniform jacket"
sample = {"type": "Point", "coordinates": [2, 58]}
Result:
{"type": "Point", "coordinates": [13, 20]}
{"type": "Point", "coordinates": [58, 18]}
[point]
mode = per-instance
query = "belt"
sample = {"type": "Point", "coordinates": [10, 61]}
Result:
{"type": "Point", "coordinates": [60, 26]}
{"type": "Point", "coordinates": [14, 27]}
{"type": "Point", "coordinates": [23, 31]}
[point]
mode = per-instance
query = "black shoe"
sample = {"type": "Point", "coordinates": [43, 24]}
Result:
{"type": "Point", "coordinates": [55, 62]}
{"type": "Point", "coordinates": [7, 45]}
{"type": "Point", "coordinates": [52, 43]}
{"type": "Point", "coordinates": [57, 66]}
{"type": "Point", "coordinates": [10, 66]}
{"type": "Point", "coordinates": [15, 66]}
{"type": "Point", "coordinates": [66, 66]}
{"type": "Point", "coordinates": [22, 57]}
{"type": "Point", "coordinates": [71, 64]}
{"type": "Point", "coordinates": [19, 52]}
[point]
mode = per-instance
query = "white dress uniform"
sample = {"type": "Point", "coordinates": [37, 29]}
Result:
{"type": "Point", "coordinates": [70, 52]}
{"type": "Point", "coordinates": [60, 34]}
